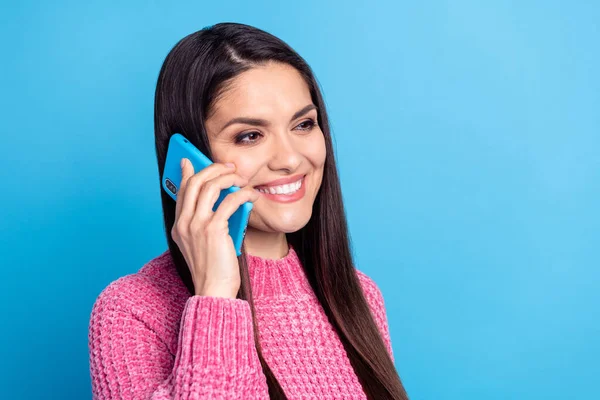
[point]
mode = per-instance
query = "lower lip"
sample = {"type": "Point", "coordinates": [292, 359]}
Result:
{"type": "Point", "coordinates": [287, 198]}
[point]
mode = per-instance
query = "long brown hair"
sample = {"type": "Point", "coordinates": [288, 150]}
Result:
{"type": "Point", "coordinates": [193, 75]}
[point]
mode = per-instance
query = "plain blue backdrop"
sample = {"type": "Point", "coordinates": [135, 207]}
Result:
{"type": "Point", "coordinates": [467, 135]}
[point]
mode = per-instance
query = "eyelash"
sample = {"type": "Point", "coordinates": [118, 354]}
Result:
{"type": "Point", "coordinates": [238, 139]}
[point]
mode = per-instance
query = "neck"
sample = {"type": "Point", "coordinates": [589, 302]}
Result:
{"type": "Point", "coordinates": [271, 245]}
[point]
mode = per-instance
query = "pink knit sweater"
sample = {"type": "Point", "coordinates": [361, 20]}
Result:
{"type": "Point", "coordinates": [149, 339]}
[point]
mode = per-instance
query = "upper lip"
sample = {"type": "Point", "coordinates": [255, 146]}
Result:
{"type": "Point", "coordinates": [282, 181]}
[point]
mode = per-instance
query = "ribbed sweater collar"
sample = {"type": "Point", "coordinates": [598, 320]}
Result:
{"type": "Point", "coordinates": [283, 277]}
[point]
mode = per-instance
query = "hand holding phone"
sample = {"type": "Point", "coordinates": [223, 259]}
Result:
{"type": "Point", "coordinates": [203, 235]}
{"type": "Point", "coordinates": [202, 229]}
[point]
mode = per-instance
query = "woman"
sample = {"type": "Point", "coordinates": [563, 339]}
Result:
{"type": "Point", "coordinates": [289, 318]}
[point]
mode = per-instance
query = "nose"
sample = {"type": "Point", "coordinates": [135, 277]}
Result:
{"type": "Point", "coordinates": [285, 152]}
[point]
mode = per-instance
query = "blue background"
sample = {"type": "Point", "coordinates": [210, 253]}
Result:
{"type": "Point", "coordinates": [467, 135]}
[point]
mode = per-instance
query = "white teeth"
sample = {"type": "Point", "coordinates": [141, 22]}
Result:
{"type": "Point", "coordinates": [289, 188]}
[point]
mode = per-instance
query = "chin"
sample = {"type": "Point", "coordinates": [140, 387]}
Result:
{"type": "Point", "coordinates": [284, 222]}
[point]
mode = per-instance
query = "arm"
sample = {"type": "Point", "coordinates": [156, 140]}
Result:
{"type": "Point", "coordinates": [216, 356]}
{"type": "Point", "coordinates": [377, 304]}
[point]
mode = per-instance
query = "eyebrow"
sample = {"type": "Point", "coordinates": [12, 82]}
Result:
{"type": "Point", "coordinates": [263, 122]}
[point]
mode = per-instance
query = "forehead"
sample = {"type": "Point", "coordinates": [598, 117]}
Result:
{"type": "Point", "coordinates": [270, 91]}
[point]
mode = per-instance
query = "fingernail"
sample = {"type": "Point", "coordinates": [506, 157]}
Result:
{"type": "Point", "coordinates": [229, 165]}
{"type": "Point", "coordinates": [182, 163]}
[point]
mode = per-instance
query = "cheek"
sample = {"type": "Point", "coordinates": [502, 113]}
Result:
{"type": "Point", "coordinates": [317, 151]}
{"type": "Point", "coordinates": [246, 166]}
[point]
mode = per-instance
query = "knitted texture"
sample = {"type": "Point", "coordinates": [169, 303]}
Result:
{"type": "Point", "coordinates": [149, 339]}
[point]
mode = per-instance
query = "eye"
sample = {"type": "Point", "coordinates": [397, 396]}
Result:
{"type": "Point", "coordinates": [240, 138]}
{"type": "Point", "coordinates": [309, 124]}
{"type": "Point", "coordinates": [253, 136]}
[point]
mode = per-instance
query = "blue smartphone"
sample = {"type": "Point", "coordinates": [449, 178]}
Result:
{"type": "Point", "coordinates": [180, 147]}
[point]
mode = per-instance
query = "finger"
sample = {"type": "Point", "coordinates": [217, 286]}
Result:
{"type": "Point", "coordinates": [187, 170]}
{"type": "Point", "coordinates": [193, 186]}
{"type": "Point", "coordinates": [233, 201]}
{"type": "Point", "coordinates": [211, 190]}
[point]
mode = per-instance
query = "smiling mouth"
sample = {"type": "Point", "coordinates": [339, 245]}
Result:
{"type": "Point", "coordinates": [287, 189]}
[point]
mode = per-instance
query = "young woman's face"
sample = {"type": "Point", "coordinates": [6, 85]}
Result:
{"type": "Point", "coordinates": [286, 145]}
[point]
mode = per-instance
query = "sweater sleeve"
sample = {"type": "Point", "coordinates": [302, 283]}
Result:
{"type": "Point", "coordinates": [382, 320]}
{"type": "Point", "coordinates": [216, 357]}
{"type": "Point", "coordinates": [377, 305]}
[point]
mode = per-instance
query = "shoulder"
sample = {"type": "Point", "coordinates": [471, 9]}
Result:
{"type": "Point", "coordinates": [370, 288]}
{"type": "Point", "coordinates": [374, 298]}
{"type": "Point", "coordinates": [151, 294]}
{"type": "Point", "coordinates": [376, 304]}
